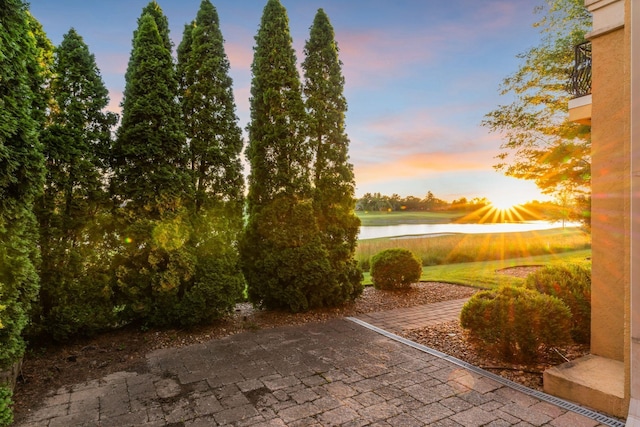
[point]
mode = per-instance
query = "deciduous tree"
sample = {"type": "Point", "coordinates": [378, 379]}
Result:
{"type": "Point", "coordinates": [540, 143]}
{"type": "Point", "coordinates": [333, 178]}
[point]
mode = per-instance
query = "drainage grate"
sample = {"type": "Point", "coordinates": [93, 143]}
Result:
{"type": "Point", "coordinates": [602, 419]}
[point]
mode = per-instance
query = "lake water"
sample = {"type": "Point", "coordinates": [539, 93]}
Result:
{"type": "Point", "coordinates": [374, 232]}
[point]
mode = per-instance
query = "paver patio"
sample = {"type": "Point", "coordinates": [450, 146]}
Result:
{"type": "Point", "coordinates": [337, 373]}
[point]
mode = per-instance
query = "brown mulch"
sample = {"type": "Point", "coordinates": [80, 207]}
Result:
{"type": "Point", "coordinates": [50, 366]}
{"type": "Point", "coordinates": [451, 339]}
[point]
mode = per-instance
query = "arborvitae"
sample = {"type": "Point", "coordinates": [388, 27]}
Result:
{"type": "Point", "coordinates": [75, 291]}
{"type": "Point", "coordinates": [41, 71]}
{"type": "Point", "coordinates": [283, 259]}
{"type": "Point", "coordinates": [206, 93]}
{"type": "Point", "coordinates": [154, 9]}
{"type": "Point", "coordinates": [150, 184]}
{"type": "Point", "coordinates": [214, 146]}
{"type": "Point", "coordinates": [21, 177]}
{"type": "Point", "coordinates": [333, 179]}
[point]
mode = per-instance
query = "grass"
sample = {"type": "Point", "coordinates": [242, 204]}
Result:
{"type": "Point", "coordinates": [401, 218]}
{"type": "Point", "coordinates": [469, 248]}
{"type": "Point", "coordinates": [483, 274]}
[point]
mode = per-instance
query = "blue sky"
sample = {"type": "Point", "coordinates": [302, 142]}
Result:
{"type": "Point", "coordinates": [420, 76]}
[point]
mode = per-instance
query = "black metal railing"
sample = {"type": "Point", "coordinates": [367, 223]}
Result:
{"type": "Point", "coordinates": [580, 80]}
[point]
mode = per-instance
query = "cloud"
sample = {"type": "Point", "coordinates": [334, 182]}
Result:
{"type": "Point", "coordinates": [240, 55]}
{"type": "Point", "coordinates": [370, 56]}
{"type": "Point", "coordinates": [422, 164]}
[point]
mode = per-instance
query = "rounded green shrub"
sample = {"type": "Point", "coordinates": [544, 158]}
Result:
{"type": "Point", "coordinates": [572, 284]}
{"type": "Point", "coordinates": [395, 268]}
{"type": "Point", "coordinates": [515, 323]}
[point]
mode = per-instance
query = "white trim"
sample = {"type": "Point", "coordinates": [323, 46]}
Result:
{"type": "Point", "coordinates": [608, 15]}
{"type": "Point", "coordinates": [580, 102]}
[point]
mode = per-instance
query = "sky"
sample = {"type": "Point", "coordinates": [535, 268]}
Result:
{"type": "Point", "coordinates": [420, 77]}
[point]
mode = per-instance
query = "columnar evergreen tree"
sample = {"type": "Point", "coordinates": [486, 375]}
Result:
{"type": "Point", "coordinates": [41, 71]}
{"type": "Point", "coordinates": [21, 177]}
{"type": "Point", "coordinates": [214, 146]}
{"type": "Point", "coordinates": [284, 262]}
{"type": "Point", "coordinates": [150, 184]}
{"type": "Point", "coordinates": [154, 9]}
{"type": "Point", "coordinates": [333, 179]}
{"type": "Point", "coordinates": [208, 106]}
{"type": "Point", "coordinates": [75, 292]}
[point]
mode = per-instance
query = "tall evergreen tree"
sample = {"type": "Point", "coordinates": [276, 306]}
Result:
{"type": "Point", "coordinates": [283, 259]}
{"type": "Point", "coordinates": [150, 184]}
{"type": "Point", "coordinates": [208, 106]}
{"type": "Point", "coordinates": [333, 179]}
{"type": "Point", "coordinates": [214, 146]}
{"type": "Point", "coordinates": [74, 293]}
{"type": "Point", "coordinates": [21, 177]}
{"type": "Point", "coordinates": [41, 71]}
{"type": "Point", "coordinates": [154, 9]}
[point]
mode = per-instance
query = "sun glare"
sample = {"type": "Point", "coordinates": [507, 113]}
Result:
{"type": "Point", "coordinates": [503, 205]}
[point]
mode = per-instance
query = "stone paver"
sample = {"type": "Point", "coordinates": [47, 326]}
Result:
{"type": "Point", "coordinates": [415, 317]}
{"type": "Point", "coordinates": [336, 373]}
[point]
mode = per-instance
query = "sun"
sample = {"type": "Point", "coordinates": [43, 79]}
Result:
{"type": "Point", "coordinates": [504, 203]}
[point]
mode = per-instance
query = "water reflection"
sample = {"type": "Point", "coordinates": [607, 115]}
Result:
{"type": "Point", "coordinates": [374, 232]}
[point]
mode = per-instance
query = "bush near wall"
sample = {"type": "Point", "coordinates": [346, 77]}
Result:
{"type": "Point", "coordinates": [395, 268]}
{"type": "Point", "coordinates": [572, 284]}
{"type": "Point", "coordinates": [514, 323]}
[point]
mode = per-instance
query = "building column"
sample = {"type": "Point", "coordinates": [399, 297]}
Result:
{"type": "Point", "coordinates": [633, 418]}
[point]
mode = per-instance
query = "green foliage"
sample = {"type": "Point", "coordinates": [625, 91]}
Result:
{"type": "Point", "coordinates": [6, 414]}
{"type": "Point", "coordinates": [214, 147]}
{"type": "Point", "coordinates": [516, 323]}
{"type": "Point", "coordinates": [283, 258]}
{"type": "Point", "coordinates": [21, 176]}
{"type": "Point", "coordinates": [151, 184]}
{"type": "Point", "coordinates": [286, 266]}
{"type": "Point", "coordinates": [333, 178]}
{"type": "Point", "coordinates": [395, 268]}
{"type": "Point", "coordinates": [540, 143]}
{"type": "Point", "coordinates": [572, 284]}
{"type": "Point", "coordinates": [75, 281]}
{"type": "Point", "coordinates": [149, 160]}
{"type": "Point", "coordinates": [208, 107]}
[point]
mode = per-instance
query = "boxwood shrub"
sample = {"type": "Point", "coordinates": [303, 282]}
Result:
{"type": "Point", "coordinates": [515, 323]}
{"type": "Point", "coordinates": [572, 284]}
{"type": "Point", "coordinates": [395, 268]}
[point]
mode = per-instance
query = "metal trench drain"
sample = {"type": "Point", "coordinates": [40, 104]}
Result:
{"type": "Point", "coordinates": [569, 406]}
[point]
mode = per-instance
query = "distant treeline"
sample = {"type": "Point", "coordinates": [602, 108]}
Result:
{"type": "Point", "coordinates": [377, 202]}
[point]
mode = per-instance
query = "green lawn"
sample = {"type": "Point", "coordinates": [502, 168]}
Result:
{"type": "Point", "coordinates": [467, 248]}
{"type": "Point", "coordinates": [484, 274]}
{"type": "Point", "coordinates": [399, 218]}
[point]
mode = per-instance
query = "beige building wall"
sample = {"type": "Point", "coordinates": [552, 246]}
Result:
{"type": "Point", "coordinates": [615, 298]}
{"type": "Point", "coordinates": [633, 417]}
{"type": "Point", "coordinates": [610, 193]}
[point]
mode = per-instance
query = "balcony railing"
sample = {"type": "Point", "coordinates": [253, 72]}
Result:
{"type": "Point", "coordinates": [580, 82]}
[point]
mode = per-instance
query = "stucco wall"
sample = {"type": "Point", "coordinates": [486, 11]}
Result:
{"type": "Point", "coordinates": [610, 194]}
